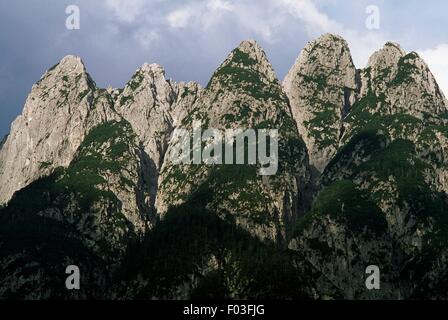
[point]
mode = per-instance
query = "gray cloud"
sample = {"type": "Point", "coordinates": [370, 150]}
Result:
{"type": "Point", "coordinates": [189, 38]}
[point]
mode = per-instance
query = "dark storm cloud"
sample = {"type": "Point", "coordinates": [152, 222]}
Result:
{"type": "Point", "coordinates": [188, 38]}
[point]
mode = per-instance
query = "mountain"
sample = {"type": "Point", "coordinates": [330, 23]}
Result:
{"type": "Point", "coordinates": [91, 177]}
{"type": "Point", "coordinates": [321, 88]}
{"type": "Point", "coordinates": [85, 214]}
{"type": "Point", "coordinates": [65, 97]}
{"type": "Point", "coordinates": [2, 142]}
{"type": "Point", "coordinates": [244, 93]}
{"type": "Point", "coordinates": [385, 182]}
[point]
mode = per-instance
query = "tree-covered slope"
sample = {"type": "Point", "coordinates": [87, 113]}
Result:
{"type": "Point", "coordinates": [84, 215]}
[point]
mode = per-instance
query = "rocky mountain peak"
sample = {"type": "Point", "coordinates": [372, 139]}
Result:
{"type": "Point", "coordinates": [146, 103]}
{"type": "Point", "coordinates": [331, 37]}
{"type": "Point", "coordinates": [69, 70]}
{"type": "Point", "coordinates": [327, 41]}
{"type": "Point", "coordinates": [243, 93]}
{"type": "Point", "coordinates": [148, 81]}
{"type": "Point", "coordinates": [404, 82]}
{"type": "Point", "coordinates": [253, 50]}
{"type": "Point", "coordinates": [360, 174]}
{"type": "Point", "coordinates": [60, 109]}
{"type": "Point", "coordinates": [243, 64]}
{"type": "Point", "coordinates": [71, 62]}
{"type": "Point", "coordinates": [321, 87]}
{"type": "Point", "coordinates": [386, 56]}
{"type": "Point", "coordinates": [152, 68]}
{"type": "Point", "coordinates": [150, 74]}
{"type": "Point", "coordinates": [321, 56]}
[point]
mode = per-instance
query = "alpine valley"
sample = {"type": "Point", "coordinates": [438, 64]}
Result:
{"type": "Point", "coordinates": [362, 180]}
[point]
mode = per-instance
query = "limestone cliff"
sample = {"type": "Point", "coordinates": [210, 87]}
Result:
{"type": "Point", "coordinates": [61, 108]}
{"type": "Point", "coordinates": [321, 87]}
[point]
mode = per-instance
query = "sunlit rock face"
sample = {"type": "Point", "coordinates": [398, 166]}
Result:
{"type": "Point", "coordinates": [321, 88]}
{"type": "Point", "coordinates": [388, 173]}
{"type": "Point", "coordinates": [61, 108]}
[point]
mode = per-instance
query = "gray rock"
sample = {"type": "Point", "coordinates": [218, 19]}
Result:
{"type": "Point", "coordinates": [58, 113]}
{"type": "Point", "coordinates": [243, 93]}
{"type": "Point", "coordinates": [372, 143]}
{"type": "Point", "coordinates": [321, 88]}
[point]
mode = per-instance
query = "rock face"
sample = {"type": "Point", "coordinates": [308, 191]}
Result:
{"type": "Point", "coordinates": [88, 178]}
{"type": "Point", "coordinates": [391, 165]}
{"type": "Point", "coordinates": [243, 93]}
{"type": "Point", "coordinates": [154, 106]}
{"type": "Point", "coordinates": [146, 103]}
{"type": "Point", "coordinates": [2, 142]}
{"type": "Point", "coordinates": [336, 240]}
{"type": "Point", "coordinates": [68, 98]}
{"type": "Point", "coordinates": [92, 209]}
{"type": "Point", "coordinates": [321, 87]}
{"type": "Point", "coordinates": [58, 113]}
{"type": "Point", "coordinates": [187, 94]}
{"type": "Point", "coordinates": [405, 83]}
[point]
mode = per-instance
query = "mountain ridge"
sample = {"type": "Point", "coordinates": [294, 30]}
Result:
{"type": "Point", "coordinates": [362, 179]}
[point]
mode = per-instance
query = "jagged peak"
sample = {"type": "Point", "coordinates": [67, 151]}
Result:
{"type": "Point", "coordinates": [326, 41]}
{"type": "Point", "coordinates": [147, 74]}
{"type": "Point", "coordinates": [394, 45]}
{"type": "Point", "coordinates": [250, 42]}
{"type": "Point", "coordinates": [250, 56]}
{"type": "Point", "coordinates": [323, 47]}
{"type": "Point", "coordinates": [152, 68]}
{"type": "Point", "coordinates": [71, 59]}
{"type": "Point", "coordinates": [326, 37]}
{"type": "Point", "coordinates": [251, 47]}
{"type": "Point", "coordinates": [69, 66]}
{"type": "Point", "coordinates": [413, 63]}
{"type": "Point", "coordinates": [413, 56]}
{"type": "Point", "coordinates": [415, 59]}
{"type": "Point", "coordinates": [70, 63]}
{"type": "Point", "coordinates": [321, 57]}
{"type": "Point", "coordinates": [388, 55]}
{"type": "Point", "coordinates": [253, 50]}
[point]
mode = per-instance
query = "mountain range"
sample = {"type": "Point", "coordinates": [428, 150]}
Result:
{"type": "Point", "coordinates": [362, 180]}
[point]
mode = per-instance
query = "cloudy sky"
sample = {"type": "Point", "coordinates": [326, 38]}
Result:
{"type": "Point", "coordinates": [190, 38]}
